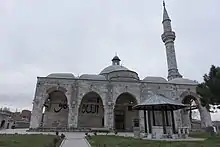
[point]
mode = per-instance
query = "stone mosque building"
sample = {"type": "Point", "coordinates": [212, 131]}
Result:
{"type": "Point", "coordinates": [105, 100]}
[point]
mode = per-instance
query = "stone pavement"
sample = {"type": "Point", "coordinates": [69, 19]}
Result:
{"type": "Point", "coordinates": [75, 139]}
{"type": "Point", "coordinates": [75, 142]}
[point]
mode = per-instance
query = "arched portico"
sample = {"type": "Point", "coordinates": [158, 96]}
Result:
{"type": "Point", "coordinates": [91, 111]}
{"type": "Point", "coordinates": [123, 112]}
{"type": "Point", "coordinates": [191, 98]}
{"type": "Point", "coordinates": [55, 109]}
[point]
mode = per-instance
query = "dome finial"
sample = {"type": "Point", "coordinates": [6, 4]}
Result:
{"type": "Point", "coordinates": [164, 3]}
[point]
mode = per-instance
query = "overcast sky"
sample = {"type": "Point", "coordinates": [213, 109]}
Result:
{"type": "Point", "coordinates": [38, 37]}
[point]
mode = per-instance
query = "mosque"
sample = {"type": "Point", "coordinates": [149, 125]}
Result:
{"type": "Point", "coordinates": [105, 100]}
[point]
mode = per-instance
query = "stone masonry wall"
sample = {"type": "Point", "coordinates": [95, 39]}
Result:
{"type": "Point", "coordinates": [109, 91]}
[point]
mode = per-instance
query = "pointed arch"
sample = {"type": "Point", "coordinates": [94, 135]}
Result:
{"type": "Point", "coordinates": [123, 112]}
{"type": "Point", "coordinates": [56, 88]}
{"type": "Point", "coordinates": [91, 111]}
{"type": "Point", "coordinates": [128, 94]}
{"type": "Point", "coordinates": [186, 95]}
{"type": "Point", "coordinates": [189, 98]}
{"type": "Point", "coordinates": [55, 108]}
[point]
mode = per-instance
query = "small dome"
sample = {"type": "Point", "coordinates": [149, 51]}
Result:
{"type": "Point", "coordinates": [155, 80]}
{"type": "Point", "coordinates": [92, 77]}
{"type": "Point", "coordinates": [61, 75]}
{"type": "Point", "coordinates": [183, 81]}
{"type": "Point", "coordinates": [112, 68]}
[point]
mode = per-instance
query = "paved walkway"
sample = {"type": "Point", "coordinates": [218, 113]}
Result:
{"type": "Point", "coordinates": [75, 139]}
{"type": "Point", "coordinates": [77, 142]}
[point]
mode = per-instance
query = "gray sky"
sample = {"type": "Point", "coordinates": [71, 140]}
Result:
{"type": "Point", "coordinates": [38, 37]}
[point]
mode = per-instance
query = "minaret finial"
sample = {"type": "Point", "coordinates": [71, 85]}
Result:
{"type": "Point", "coordinates": [165, 14]}
{"type": "Point", "coordinates": [164, 3]}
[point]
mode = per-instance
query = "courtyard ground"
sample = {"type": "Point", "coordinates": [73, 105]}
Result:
{"type": "Point", "coordinates": [73, 139]}
{"type": "Point", "coordinates": [29, 140]}
{"type": "Point", "coordinates": [118, 141]}
{"type": "Point", "coordinates": [76, 139]}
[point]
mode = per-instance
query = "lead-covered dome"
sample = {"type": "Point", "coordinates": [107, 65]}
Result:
{"type": "Point", "coordinates": [112, 68]}
{"type": "Point", "coordinates": [183, 81]}
{"type": "Point", "coordinates": [118, 72]}
{"type": "Point", "coordinates": [61, 75]}
{"type": "Point", "coordinates": [92, 77]}
{"type": "Point", "coordinates": [155, 79]}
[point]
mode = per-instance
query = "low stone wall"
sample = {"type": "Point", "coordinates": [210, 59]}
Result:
{"type": "Point", "coordinates": [59, 130]}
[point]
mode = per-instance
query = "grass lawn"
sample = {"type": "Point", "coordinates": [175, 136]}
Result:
{"type": "Point", "coordinates": [18, 140]}
{"type": "Point", "coordinates": [116, 141]}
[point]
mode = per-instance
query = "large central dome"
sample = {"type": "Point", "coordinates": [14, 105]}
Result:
{"type": "Point", "coordinates": [117, 71]}
{"type": "Point", "coordinates": [112, 68]}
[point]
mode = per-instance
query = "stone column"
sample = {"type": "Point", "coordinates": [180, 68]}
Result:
{"type": "Point", "coordinates": [178, 118]}
{"type": "Point", "coordinates": [205, 117]}
{"type": "Point", "coordinates": [106, 117]}
{"type": "Point", "coordinates": [69, 102]}
{"type": "Point", "coordinates": [36, 115]}
{"type": "Point", "coordinates": [75, 109]}
{"type": "Point", "coordinates": [185, 118]}
{"type": "Point", "coordinates": [75, 104]}
{"type": "Point", "coordinates": [141, 121]}
{"type": "Point", "coordinates": [109, 116]}
{"type": "Point", "coordinates": [109, 109]}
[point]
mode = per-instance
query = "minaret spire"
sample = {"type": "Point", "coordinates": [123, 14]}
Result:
{"type": "Point", "coordinates": [165, 14]}
{"type": "Point", "coordinates": [168, 38]}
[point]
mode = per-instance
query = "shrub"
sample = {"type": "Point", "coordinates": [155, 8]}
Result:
{"type": "Point", "coordinates": [62, 136]}
{"type": "Point", "coordinates": [57, 133]}
{"type": "Point", "coordinates": [55, 141]}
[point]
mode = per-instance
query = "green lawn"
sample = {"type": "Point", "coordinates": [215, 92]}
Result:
{"type": "Point", "coordinates": [116, 141]}
{"type": "Point", "coordinates": [26, 140]}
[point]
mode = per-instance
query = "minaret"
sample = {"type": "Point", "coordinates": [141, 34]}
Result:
{"type": "Point", "coordinates": [168, 38]}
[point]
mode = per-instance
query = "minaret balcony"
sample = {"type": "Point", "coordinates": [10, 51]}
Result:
{"type": "Point", "coordinates": [168, 36]}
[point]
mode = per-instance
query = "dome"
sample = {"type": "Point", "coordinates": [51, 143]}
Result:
{"type": "Point", "coordinates": [92, 77]}
{"type": "Point", "coordinates": [155, 80]}
{"type": "Point", "coordinates": [112, 68]}
{"type": "Point", "coordinates": [61, 75]}
{"type": "Point", "coordinates": [183, 81]}
{"type": "Point", "coordinates": [118, 72]}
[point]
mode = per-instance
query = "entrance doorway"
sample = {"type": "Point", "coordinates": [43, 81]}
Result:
{"type": "Point", "coordinates": [123, 112]}
{"type": "Point", "coordinates": [119, 120]}
{"type": "Point", "coordinates": [2, 124]}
